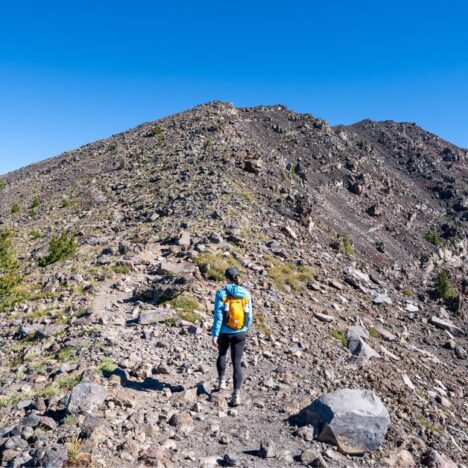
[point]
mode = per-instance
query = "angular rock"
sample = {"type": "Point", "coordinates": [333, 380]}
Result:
{"type": "Point", "coordinates": [86, 398]}
{"type": "Point", "coordinates": [148, 317]}
{"type": "Point", "coordinates": [399, 459]}
{"type": "Point", "coordinates": [267, 449]}
{"type": "Point", "coordinates": [434, 459]}
{"type": "Point", "coordinates": [355, 420]}
{"type": "Point", "coordinates": [324, 317]}
{"type": "Point", "coordinates": [446, 325]}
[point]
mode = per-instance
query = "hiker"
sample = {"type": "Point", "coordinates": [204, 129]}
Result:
{"type": "Point", "coordinates": [232, 318]}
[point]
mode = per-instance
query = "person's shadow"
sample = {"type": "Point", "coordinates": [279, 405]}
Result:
{"type": "Point", "coordinates": [148, 385]}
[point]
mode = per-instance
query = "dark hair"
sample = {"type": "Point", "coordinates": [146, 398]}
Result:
{"type": "Point", "coordinates": [232, 275]}
{"type": "Point", "coordinates": [236, 280]}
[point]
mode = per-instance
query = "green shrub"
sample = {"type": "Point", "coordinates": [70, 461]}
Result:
{"type": "Point", "coordinates": [156, 130]}
{"type": "Point", "coordinates": [2, 184]}
{"type": "Point", "coordinates": [185, 306]}
{"type": "Point", "coordinates": [66, 203]}
{"type": "Point", "coordinates": [107, 366]}
{"type": "Point", "coordinates": [36, 202]}
{"type": "Point", "coordinates": [60, 248]}
{"type": "Point", "coordinates": [340, 335]}
{"type": "Point", "coordinates": [15, 208]}
{"type": "Point", "coordinates": [33, 213]}
{"type": "Point", "coordinates": [373, 332]}
{"type": "Point", "coordinates": [112, 147]}
{"type": "Point", "coordinates": [49, 391]}
{"type": "Point", "coordinates": [407, 293]}
{"type": "Point", "coordinates": [290, 274]}
{"type": "Point", "coordinates": [9, 268]}
{"type": "Point", "coordinates": [121, 164]}
{"type": "Point", "coordinates": [432, 237]}
{"type": "Point", "coordinates": [69, 381]}
{"type": "Point", "coordinates": [208, 143]}
{"type": "Point", "coordinates": [259, 320]}
{"type": "Point", "coordinates": [347, 246]}
{"type": "Point", "coordinates": [216, 264]}
{"type": "Point", "coordinates": [121, 269]}
{"type": "Point", "coordinates": [443, 287]}
{"type": "Point", "coordinates": [35, 234]}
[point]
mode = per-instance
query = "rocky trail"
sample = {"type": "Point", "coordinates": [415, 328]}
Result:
{"type": "Point", "coordinates": [357, 354]}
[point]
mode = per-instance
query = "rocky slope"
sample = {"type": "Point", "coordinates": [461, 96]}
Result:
{"type": "Point", "coordinates": [342, 234]}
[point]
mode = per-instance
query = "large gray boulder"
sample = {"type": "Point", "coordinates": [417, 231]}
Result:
{"type": "Point", "coordinates": [355, 420]}
{"type": "Point", "coordinates": [86, 398]}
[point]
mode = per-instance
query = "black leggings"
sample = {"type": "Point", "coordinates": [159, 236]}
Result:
{"type": "Point", "coordinates": [236, 341]}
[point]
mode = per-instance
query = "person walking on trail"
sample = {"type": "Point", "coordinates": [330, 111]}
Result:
{"type": "Point", "coordinates": [232, 319]}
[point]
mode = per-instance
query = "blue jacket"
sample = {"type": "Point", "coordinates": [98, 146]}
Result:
{"type": "Point", "coordinates": [236, 291]}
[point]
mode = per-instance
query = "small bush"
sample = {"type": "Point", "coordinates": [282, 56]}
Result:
{"type": "Point", "coordinates": [121, 269]}
{"type": "Point", "coordinates": [74, 450]}
{"type": "Point", "coordinates": [208, 143]}
{"type": "Point", "coordinates": [432, 237]}
{"type": "Point", "coordinates": [407, 293]}
{"type": "Point", "coordinates": [443, 288]}
{"type": "Point", "coordinates": [33, 213]}
{"type": "Point", "coordinates": [347, 246]}
{"type": "Point", "coordinates": [49, 391]}
{"type": "Point", "coordinates": [60, 248]}
{"type": "Point", "coordinates": [69, 381]}
{"type": "Point", "coordinates": [35, 234]}
{"type": "Point", "coordinates": [373, 332]}
{"type": "Point", "coordinates": [259, 319]}
{"type": "Point", "coordinates": [65, 353]}
{"type": "Point", "coordinates": [15, 208]}
{"type": "Point", "coordinates": [9, 268]}
{"type": "Point", "coordinates": [2, 184]}
{"type": "Point", "coordinates": [290, 274]}
{"type": "Point", "coordinates": [216, 265]}
{"type": "Point", "coordinates": [36, 202]}
{"type": "Point", "coordinates": [121, 164]}
{"type": "Point", "coordinates": [340, 335]}
{"type": "Point", "coordinates": [156, 130]}
{"type": "Point", "coordinates": [66, 203]}
{"type": "Point", "coordinates": [107, 366]}
{"type": "Point", "coordinates": [185, 306]}
{"type": "Point", "coordinates": [112, 147]}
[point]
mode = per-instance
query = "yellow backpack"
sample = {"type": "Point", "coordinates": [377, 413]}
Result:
{"type": "Point", "coordinates": [235, 311]}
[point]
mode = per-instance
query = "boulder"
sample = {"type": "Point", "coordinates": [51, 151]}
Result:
{"type": "Point", "coordinates": [435, 459]}
{"type": "Point", "coordinates": [355, 420]}
{"type": "Point", "coordinates": [362, 352]}
{"type": "Point", "coordinates": [86, 398]}
{"type": "Point", "coordinates": [446, 325]}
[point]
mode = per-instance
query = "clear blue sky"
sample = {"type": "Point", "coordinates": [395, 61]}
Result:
{"type": "Point", "coordinates": [72, 72]}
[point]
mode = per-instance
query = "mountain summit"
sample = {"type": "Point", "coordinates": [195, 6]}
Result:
{"type": "Point", "coordinates": [351, 239]}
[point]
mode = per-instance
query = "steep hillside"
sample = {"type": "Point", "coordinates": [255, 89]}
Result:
{"type": "Point", "coordinates": [336, 230]}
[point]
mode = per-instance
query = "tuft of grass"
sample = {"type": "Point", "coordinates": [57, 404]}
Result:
{"type": "Point", "coordinates": [407, 293]}
{"type": "Point", "coordinates": [432, 237]}
{"type": "Point", "coordinates": [36, 202]}
{"type": "Point", "coordinates": [60, 248]}
{"type": "Point", "coordinates": [154, 131]}
{"type": "Point", "coordinates": [340, 335]}
{"type": "Point", "coordinates": [65, 353]}
{"type": "Point", "coordinates": [208, 143]}
{"type": "Point", "coordinates": [259, 319]}
{"type": "Point", "coordinates": [121, 165]}
{"type": "Point", "coordinates": [430, 427]}
{"type": "Point", "coordinates": [69, 381]}
{"type": "Point", "coordinates": [74, 449]}
{"type": "Point", "coordinates": [112, 147]}
{"type": "Point", "coordinates": [443, 288]}
{"type": "Point", "coordinates": [216, 264]}
{"type": "Point", "coordinates": [15, 208]}
{"type": "Point", "coordinates": [2, 184]}
{"type": "Point", "coordinates": [373, 332]}
{"type": "Point", "coordinates": [66, 203]}
{"type": "Point", "coordinates": [121, 269]}
{"type": "Point", "coordinates": [69, 419]}
{"type": "Point", "coordinates": [185, 306]}
{"type": "Point", "coordinates": [107, 366]}
{"type": "Point", "coordinates": [49, 391]}
{"type": "Point", "coordinates": [290, 274]}
{"type": "Point", "coordinates": [347, 245]}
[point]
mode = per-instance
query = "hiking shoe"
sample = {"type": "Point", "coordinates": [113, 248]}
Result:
{"type": "Point", "coordinates": [221, 384]}
{"type": "Point", "coordinates": [235, 400]}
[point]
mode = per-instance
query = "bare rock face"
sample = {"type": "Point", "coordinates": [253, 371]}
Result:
{"type": "Point", "coordinates": [355, 420]}
{"type": "Point", "coordinates": [86, 398]}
